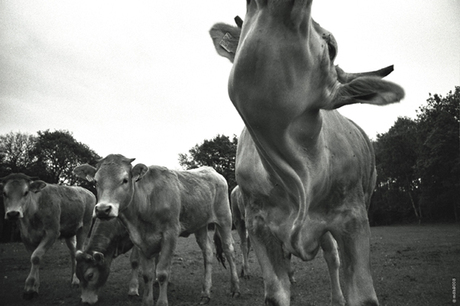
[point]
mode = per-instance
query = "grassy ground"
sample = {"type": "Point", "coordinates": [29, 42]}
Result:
{"type": "Point", "coordinates": [412, 265]}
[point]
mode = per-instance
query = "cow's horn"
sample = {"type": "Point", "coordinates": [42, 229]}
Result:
{"type": "Point", "coordinates": [80, 255]}
{"type": "Point", "coordinates": [98, 257]}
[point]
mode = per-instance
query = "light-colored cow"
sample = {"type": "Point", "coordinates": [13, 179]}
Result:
{"type": "Point", "coordinates": [304, 170]}
{"type": "Point", "coordinates": [46, 212]}
{"type": "Point", "coordinates": [109, 238]}
{"type": "Point", "coordinates": [157, 205]}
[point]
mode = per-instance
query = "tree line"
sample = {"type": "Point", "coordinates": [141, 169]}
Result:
{"type": "Point", "coordinates": [418, 163]}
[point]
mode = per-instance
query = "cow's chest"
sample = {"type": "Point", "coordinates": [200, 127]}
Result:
{"type": "Point", "coordinates": [146, 237]}
{"type": "Point", "coordinates": [32, 230]}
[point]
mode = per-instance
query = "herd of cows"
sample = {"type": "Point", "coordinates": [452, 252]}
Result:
{"type": "Point", "coordinates": [305, 177]}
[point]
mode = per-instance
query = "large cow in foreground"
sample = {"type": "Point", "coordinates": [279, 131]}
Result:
{"type": "Point", "coordinates": [109, 238]}
{"type": "Point", "coordinates": [304, 170]}
{"type": "Point", "coordinates": [157, 205]}
{"type": "Point", "coordinates": [46, 212]}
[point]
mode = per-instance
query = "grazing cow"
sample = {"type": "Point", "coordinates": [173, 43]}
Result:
{"type": "Point", "coordinates": [45, 213]}
{"type": "Point", "coordinates": [304, 170]}
{"type": "Point", "coordinates": [109, 238]}
{"type": "Point", "coordinates": [157, 205]}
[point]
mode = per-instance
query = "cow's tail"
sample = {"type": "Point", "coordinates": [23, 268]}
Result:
{"type": "Point", "coordinates": [219, 249]}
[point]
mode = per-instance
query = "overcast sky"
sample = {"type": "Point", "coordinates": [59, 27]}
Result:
{"type": "Point", "coordinates": [143, 79]}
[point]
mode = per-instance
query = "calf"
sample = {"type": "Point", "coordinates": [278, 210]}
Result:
{"type": "Point", "coordinates": [108, 240]}
{"type": "Point", "coordinates": [157, 205]}
{"type": "Point", "coordinates": [45, 213]}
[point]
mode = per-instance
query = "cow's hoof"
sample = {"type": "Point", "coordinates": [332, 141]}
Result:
{"type": "Point", "coordinates": [236, 295]}
{"type": "Point", "coordinates": [28, 295]}
{"type": "Point", "coordinates": [205, 300]}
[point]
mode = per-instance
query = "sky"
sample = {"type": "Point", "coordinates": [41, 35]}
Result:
{"type": "Point", "coordinates": [142, 78]}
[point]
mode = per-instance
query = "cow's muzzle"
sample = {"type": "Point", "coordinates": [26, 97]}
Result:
{"type": "Point", "coordinates": [105, 211]}
{"type": "Point", "coordinates": [13, 215]}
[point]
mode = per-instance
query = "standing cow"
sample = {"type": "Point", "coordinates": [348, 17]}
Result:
{"type": "Point", "coordinates": [109, 238]}
{"type": "Point", "coordinates": [303, 169]}
{"type": "Point", "coordinates": [157, 205]}
{"type": "Point", "coordinates": [46, 212]}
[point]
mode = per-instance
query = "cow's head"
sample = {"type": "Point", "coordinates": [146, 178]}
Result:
{"type": "Point", "coordinates": [281, 56]}
{"type": "Point", "coordinates": [19, 192]}
{"type": "Point", "coordinates": [115, 178]}
{"type": "Point", "coordinates": [92, 270]}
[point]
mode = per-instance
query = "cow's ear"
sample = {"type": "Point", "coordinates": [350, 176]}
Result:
{"type": "Point", "coordinates": [99, 258]}
{"type": "Point", "coordinates": [367, 89]}
{"type": "Point", "coordinates": [85, 171]}
{"type": "Point", "coordinates": [37, 186]}
{"type": "Point", "coordinates": [225, 38]}
{"type": "Point", "coordinates": [81, 256]}
{"type": "Point", "coordinates": [139, 171]}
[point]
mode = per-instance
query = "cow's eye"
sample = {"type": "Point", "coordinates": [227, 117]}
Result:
{"type": "Point", "coordinates": [90, 276]}
{"type": "Point", "coordinates": [26, 193]}
{"type": "Point", "coordinates": [4, 194]}
{"type": "Point", "coordinates": [125, 181]}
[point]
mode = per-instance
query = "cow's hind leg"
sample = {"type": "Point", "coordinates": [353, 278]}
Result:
{"type": "Point", "coordinates": [240, 225]}
{"type": "Point", "coordinates": [331, 255]}
{"type": "Point", "coordinates": [203, 241]}
{"type": "Point", "coordinates": [354, 244]}
{"type": "Point", "coordinates": [224, 227]}
{"type": "Point", "coordinates": [71, 244]}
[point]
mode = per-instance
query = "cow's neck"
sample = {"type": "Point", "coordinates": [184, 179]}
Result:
{"type": "Point", "coordinates": [101, 239]}
{"type": "Point", "coordinates": [278, 89]}
{"type": "Point", "coordinates": [136, 217]}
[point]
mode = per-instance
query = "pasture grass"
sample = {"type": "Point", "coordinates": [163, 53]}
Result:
{"type": "Point", "coordinates": [411, 265]}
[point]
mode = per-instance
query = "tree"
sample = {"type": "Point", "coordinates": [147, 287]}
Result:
{"type": "Point", "coordinates": [438, 164]}
{"type": "Point", "coordinates": [57, 154]}
{"type": "Point", "coordinates": [396, 157]}
{"type": "Point", "coordinates": [218, 153]}
{"type": "Point", "coordinates": [15, 151]}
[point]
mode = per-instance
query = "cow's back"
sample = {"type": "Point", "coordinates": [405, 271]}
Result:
{"type": "Point", "coordinates": [75, 205]}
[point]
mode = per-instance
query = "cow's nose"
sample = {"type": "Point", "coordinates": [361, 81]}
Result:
{"type": "Point", "coordinates": [12, 215]}
{"type": "Point", "coordinates": [103, 210]}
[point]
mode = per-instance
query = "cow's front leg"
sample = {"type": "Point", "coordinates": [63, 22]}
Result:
{"type": "Point", "coordinates": [163, 269]}
{"type": "Point", "coordinates": [32, 284]}
{"type": "Point", "coordinates": [203, 242]}
{"type": "Point", "coordinates": [273, 261]}
{"type": "Point", "coordinates": [71, 244]}
{"type": "Point", "coordinates": [354, 244]}
{"type": "Point", "coordinates": [331, 255]}
{"type": "Point", "coordinates": [148, 274]}
{"type": "Point", "coordinates": [134, 281]}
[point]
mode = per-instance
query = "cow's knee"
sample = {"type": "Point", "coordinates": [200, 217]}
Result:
{"type": "Point", "coordinates": [162, 277]}
{"type": "Point", "coordinates": [35, 260]}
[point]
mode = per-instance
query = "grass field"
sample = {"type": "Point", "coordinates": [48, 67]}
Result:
{"type": "Point", "coordinates": [411, 265]}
